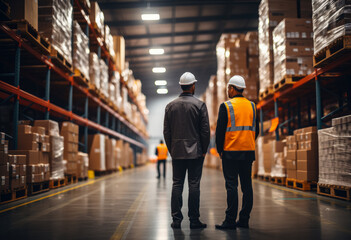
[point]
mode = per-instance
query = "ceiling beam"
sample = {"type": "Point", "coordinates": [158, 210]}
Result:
{"type": "Point", "coordinates": [184, 20]}
{"type": "Point", "coordinates": [210, 54]}
{"type": "Point", "coordinates": [171, 44]}
{"type": "Point", "coordinates": [170, 53]}
{"type": "Point", "coordinates": [151, 4]}
{"type": "Point", "coordinates": [174, 64]}
{"type": "Point", "coordinates": [190, 33]}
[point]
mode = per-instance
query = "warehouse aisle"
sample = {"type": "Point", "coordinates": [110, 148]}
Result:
{"type": "Point", "coordinates": [135, 205]}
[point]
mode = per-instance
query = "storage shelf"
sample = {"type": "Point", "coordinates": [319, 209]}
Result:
{"type": "Point", "coordinates": [47, 106]}
{"type": "Point", "coordinates": [106, 53]}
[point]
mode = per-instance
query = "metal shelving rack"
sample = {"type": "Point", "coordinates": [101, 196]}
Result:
{"type": "Point", "coordinates": [305, 95]}
{"type": "Point", "coordinates": [90, 107]}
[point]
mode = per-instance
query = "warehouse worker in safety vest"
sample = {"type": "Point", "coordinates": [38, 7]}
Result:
{"type": "Point", "coordinates": [161, 153]}
{"type": "Point", "coordinates": [236, 132]}
{"type": "Point", "coordinates": [187, 134]}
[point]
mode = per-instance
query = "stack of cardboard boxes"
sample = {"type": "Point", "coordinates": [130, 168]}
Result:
{"type": "Point", "coordinates": [293, 48]}
{"type": "Point", "coordinates": [110, 145]}
{"type": "Point", "coordinates": [335, 153]}
{"type": "Point", "coordinates": [252, 83]}
{"type": "Point", "coordinates": [307, 154]}
{"type": "Point", "coordinates": [56, 148]}
{"type": "Point", "coordinates": [291, 165]}
{"type": "Point", "coordinates": [97, 18]}
{"type": "Point", "coordinates": [271, 12]}
{"type": "Point", "coordinates": [4, 164]}
{"type": "Point", "coordinates": [34, 143]}
{"type": "Point", "coordinates": [70, 133]}
{"type": "Point", "coordinates": [80, 50]}
{"type": "Point", "coordinates": [278, 168]}
{"type": "Point", "coordinates": [119, 45]}
{"type": "Point", "coordinates": [18, 171]}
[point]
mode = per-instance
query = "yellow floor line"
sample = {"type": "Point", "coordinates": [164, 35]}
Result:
{"type": "Point", "coordinates": [126, 222]}
{"type": "Point", "coordinates": [57, 193]}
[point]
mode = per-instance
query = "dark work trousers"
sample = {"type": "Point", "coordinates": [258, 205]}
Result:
{"type": "Point", "coordinates": [180, 167]}
{"type": "Point", "coordinates": [164, 167]}
{"type": "Point", "coordinates": [231, 169]}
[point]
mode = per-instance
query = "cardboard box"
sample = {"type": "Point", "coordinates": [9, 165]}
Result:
{"type": "Point", "coordinates": [70, 147]}
{"type": "Point", "coordinates": [51, 127]}
{"type": "Point", "coordinates": [309, 129]}
{"type": "Point", "coordinates": [32, 157]}
{"type": "Point", "coordinates": [70, 156]}
{"type": "Point", "coordinates": [311, 145]}
{"type": "Point", "coordinates": [25, 9]}
{"type": "Point", "coordinates": [23, 169]}
{"type": "Point", "coordinates": [278, 146]}
{"type": "Point", "coordinates": [24, 129]}
{"type": "Point", "coordinates": [97, 152]}
{"type": "Point", "coordinates": [69, 127]}
{"type": "Point", "coordinates": [39, 130]}
{"type": "Point", "coordinates": [119, 45]}
{"type": "Point", "coordinates": [45, 147]}
{"type": "Point", "coordinates": [35, 178]}
{"type": "Point", "coordinates": [291, 155]}
{"type": "Point", "coordinates": [307, 165]}
{"type": "Point", "coordinates": [28, 141]}
{"type": "Point", "coordinates": [307, 175]}
{"type": "Point", "coordinates": [291, 164]}
{"type": "Point", "coordinates": [34, 169]}
{"type": "Point", "coordinates": [311, 136]}
{"type": "Point", "coordinates": [291, 173]}
{"type": "Point", "coordinates": [4, 183]}
{"type": "Point", "coordinates": [307, 155]}
{"type": "Point", "coordinates": [5, 170]}
{"type": "Point", "coordinates": [17, 159]}
{"type": "Point", "coordinates": [3, 158]}
{"type": "Point", "coordinates": [70, 137]}
{"type": "Point", "coordinates": [14, 170]}
{"type": "Point", "coordinates": [43, 157]}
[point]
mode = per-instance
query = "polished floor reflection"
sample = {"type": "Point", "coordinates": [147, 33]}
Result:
{"type": "Point", "coordinates": [135, 205]}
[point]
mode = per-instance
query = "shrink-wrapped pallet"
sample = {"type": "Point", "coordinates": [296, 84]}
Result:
{"type": "Point", "coordinates": [335, 153]}
{"type": "Point", "coordinates": [94, 69]}
{"type": "Point", "coordinates": [292, 48]}
{"type": "Point", "coordinates": [80, 50]}
{"type": "Point", "coordinates": [97, 154]}
{"type": "Point", "coordinates": [97, 18]}
{"type": "Point", "coordinates": [331, 20]}
{"type": "Point", "coordinates": [103, 77]}
{"type": "Point", "coordinates": [55, 23]}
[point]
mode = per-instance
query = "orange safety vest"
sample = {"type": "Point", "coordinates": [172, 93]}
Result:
{"type": "Point", "coordinates": [162, 151]}
{"type": "Point", "coordinates": [241, 127]}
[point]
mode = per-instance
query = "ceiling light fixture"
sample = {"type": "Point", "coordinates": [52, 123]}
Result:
{"type": "Point", "coordinates": [156, 51]}
{"type": "Point", "coordinates": [150, 16]}
{"type": "Point", "coordinates": [160, 82]}
{"type": "Point", "coordinates": [162, 91]}
{"type": "Point", "coordinates": [159, 69]}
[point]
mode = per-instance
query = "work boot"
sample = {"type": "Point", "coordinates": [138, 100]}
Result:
{"type": "Point", "coordinates": [197, 224]}
{"type": "Point", "coordinates": [242, 224]}
{"type": "Point", "coordinates": [175, 225]}
{"type": "Point", "coordinates": [226, 225]}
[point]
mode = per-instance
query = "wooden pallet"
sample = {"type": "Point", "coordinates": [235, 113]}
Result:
{"type": "Point", "coordinates": [334, 191]}
{"type": "Point", "coordinates": [57, 183]}
{"type": "Point", "coordinates": [83, 179]}
{"type": "Point", "coordinates": [94, 90]}
{"type": "Point", "coordinates": [266, 93]}
{"type": "Point", "coordinates": [264, 178]}
{"type": "Point", "coordinates": [10, 196]}
{"type": "Point", "coordinates": [290, 182]}
{"type": "Point", "coordinates": [71, 179]}
{"type": "Point", "coordinates": [29, 33]}
{"type": "Point", "coordinates": [60, 60]}
{"type": "Point", "coordinates": [36, 188]}
{"type": "Point", "coordinates": [305, 185]}
{"type": "Point", "coordinates": [80, 78]}
{"type": "Point", "coordinates": [338, 48]}
{"type": "Point", "coordinates": [278, 180]}
{"type": "Point", "coordinates": [287, 82]}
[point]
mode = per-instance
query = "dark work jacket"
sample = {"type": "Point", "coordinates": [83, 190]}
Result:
{"type": "Point", "coordinates": [186, 127]}
{"type": "Point", "coordinates": [220, 136]}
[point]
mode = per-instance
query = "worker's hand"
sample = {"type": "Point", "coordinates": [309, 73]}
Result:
{"type": "Point", "coordinates": [221, 154]}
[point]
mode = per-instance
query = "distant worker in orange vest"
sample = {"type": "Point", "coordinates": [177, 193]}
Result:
{"type": "Point", "coordinates": [161, 153]}
{"type": "Point", "coordinates": [236, 132]}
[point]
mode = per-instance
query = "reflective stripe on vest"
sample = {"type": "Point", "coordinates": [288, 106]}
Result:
{"type": "Point", "coordinates": [162, 152]}
{"type": "Point", "coordinates": [240, 132]}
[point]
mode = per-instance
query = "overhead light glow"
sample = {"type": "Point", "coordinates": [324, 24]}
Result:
{"type": "Point", "coordinates": [160, 82]}
{"type": "Point", "coordinates": [156, 51]}
{"type": "Point", "coordinates": [150, 17]}
{"type": "Point", "coordinates": [159, 69]}
{"type": "Point", "coordinates": [162, 91]}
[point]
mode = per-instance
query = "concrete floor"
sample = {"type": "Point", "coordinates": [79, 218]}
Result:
{"type": "Point", "coordinates": [135, 205]}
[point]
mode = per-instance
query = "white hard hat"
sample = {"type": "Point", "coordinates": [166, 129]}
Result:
{"type": "Point", "coordinates": [237, 81]}
{"type": "Point", "coordinates": [187, 78]}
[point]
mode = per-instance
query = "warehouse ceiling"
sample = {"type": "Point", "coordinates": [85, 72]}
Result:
{"type": "Point", "coordinates": [188, 31]}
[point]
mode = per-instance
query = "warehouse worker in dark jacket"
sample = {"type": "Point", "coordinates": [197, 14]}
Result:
{"type": "Point", "coordinates": [236, 132]}
{"type": "Point", "coordinates": [161, 153]}
{"type": "Point", "coordinates": [187, 135]}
